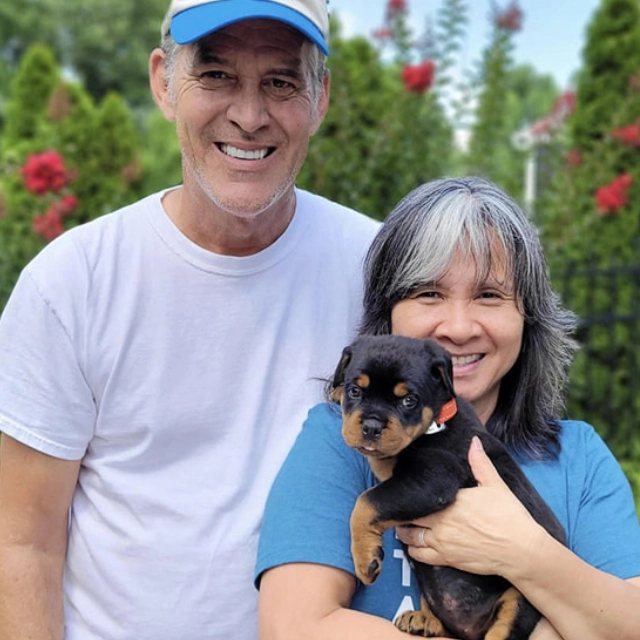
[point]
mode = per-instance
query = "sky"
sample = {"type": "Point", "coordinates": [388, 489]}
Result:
{"type": "Point", "coordinates": [551, 39]}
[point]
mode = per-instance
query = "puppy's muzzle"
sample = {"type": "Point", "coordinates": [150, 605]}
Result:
{"type": "Point", "coordinates": [372, 429]}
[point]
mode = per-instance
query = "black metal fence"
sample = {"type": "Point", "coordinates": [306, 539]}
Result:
{"type": "Point", "coordinates": [604, 387]}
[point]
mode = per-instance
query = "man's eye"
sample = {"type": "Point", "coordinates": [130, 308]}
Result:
{"type": "Point", "coordinates": [215, 78]}
{"type": "Point", "coordinates": [280, 88]}
{"type": "Point", "coordinates": [354, 393]}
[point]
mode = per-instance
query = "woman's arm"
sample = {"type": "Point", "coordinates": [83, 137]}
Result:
{"type": "Point", "coordinates": [303, 601]}
{"type": "Point", "coordinates": [488, 531]}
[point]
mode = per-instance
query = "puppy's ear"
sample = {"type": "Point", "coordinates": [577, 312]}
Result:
{"type": "Point", "coordinates": [443, 369]}
{"type": "Point", "coordinates": [338, 377]}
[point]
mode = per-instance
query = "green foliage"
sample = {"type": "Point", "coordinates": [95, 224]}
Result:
{"type": "Point", "coordinates": [490, 131]}
{"type": "Point", "coordinates": [632, 471]}
{"type": "Point", "coordinates": [25, 105]}
{"type": "Point", "coordinates": [161, 158]}
{"type": "Point", "coordinates": [105, 44]}
{"type": "Point", "coordinates": [378, 141]}
{"type": "Point", "coordinates": [611, 58]}
{"type": "Point", "coordinates": [578, 231]}
{"type": "Point", "coordinates": [97, 142]}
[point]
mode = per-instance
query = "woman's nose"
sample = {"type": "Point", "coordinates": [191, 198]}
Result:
{"type": "Point", "coordinates": [458, 323]}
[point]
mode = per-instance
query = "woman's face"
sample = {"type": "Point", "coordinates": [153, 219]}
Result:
{"type": "Point", "coordinates": [479, 322]}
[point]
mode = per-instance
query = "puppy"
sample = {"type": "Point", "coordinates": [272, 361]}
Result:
{"type": "Point", "coordinates": [400, 411]}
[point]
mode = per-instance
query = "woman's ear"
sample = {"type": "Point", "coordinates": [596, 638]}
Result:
{"type": "Point", "coordinates": [159, 84]}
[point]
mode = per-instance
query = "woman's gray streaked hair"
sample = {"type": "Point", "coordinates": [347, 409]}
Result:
{"type": "Point", "coordinates": [416, 245]}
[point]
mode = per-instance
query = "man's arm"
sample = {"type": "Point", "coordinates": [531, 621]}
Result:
{"type": "Point", "coordinates": [35, 495]}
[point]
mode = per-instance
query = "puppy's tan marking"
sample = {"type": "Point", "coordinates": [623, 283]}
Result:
{"type": "Point", "coordinates": [366, 538]}
{"type": "Point", "coordinates": [401, 390]}
{"type": "Point", "coordinates": [508, 604]}
{"type": "Point", "coordinates": [363, 380]}
{"type": "Point", "coordinates": [427, 417]}
{"type": "Point", "coordinates": [352, 428]}
{"type": "Point", "coordinates": [421, 623]}
{"type": "Point", "coordinates": [336, 394]}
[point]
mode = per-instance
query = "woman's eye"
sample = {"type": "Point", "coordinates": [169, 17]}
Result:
{"type": "Point", "coordinates": [426, 294]}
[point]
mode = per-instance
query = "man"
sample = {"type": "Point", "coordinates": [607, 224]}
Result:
{"type": "Point", "coordinates": [158, 362]}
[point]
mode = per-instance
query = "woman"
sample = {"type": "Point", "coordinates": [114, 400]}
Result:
{"type": "Point", "coordinates": [457, 261]}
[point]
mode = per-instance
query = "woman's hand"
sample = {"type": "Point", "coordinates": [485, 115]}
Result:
{"type": "Point", "coordinates": [486, 530]}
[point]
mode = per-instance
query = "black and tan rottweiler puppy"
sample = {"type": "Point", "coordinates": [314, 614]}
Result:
{"type": "Point", "coordinates": [400, 411]}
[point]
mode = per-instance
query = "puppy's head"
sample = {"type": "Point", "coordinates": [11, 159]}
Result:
{"type": "Point", "coordinates": [390, 388]}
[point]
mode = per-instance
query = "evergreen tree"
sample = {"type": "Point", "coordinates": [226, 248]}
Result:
{"type": "Point", "coordinates": [611, 58]}
{"type": "Point", "coordinates": [29, 95]}
{"type": "Point", "coordinates": [66, 161]}
{"type": "Point", "coordinates": [591, 217]}
{"type": "Point", "coordinates": [490, 131]}
{"type": "Point", "coordinates": [379, 140]}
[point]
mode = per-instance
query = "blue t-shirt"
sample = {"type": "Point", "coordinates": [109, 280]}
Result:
{"type": "Point", "coordinates": [309, 507]}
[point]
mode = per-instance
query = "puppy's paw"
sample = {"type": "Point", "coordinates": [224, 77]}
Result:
{"type": "Point", "coordinates": [369, 565]}
{"type": "Point", "coordinates": [419, 623]}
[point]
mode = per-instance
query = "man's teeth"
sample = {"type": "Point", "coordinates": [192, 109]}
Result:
{"type": "Point", "coordinates": [458, 361]}
{"type": "Point", "coordinates": [234, 152]}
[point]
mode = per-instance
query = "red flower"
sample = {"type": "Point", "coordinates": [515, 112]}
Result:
{"type": "Point", "coordinates": [49, 224]}
{"type": "Point", "coordinates": [394, 7]}
{"type": "Point", "coordinates": [615, 195]}
{"type": "Point", "coordinates": [44, 172]}
{"type": "Point", "coordinates": [574, 158]}
{"type": "Point", "coordinates": [511, 18]}
{"type": "Point", "coordinates": [629, 134]}
{"type": "Point", "coordinates": [419, 77]}
{"type": "Point", "coordinates": [383, 34]}
{"type": "Point", "coordinates": [67, 204]}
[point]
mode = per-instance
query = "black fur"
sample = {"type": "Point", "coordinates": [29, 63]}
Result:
{"type": "Point", "coordinates": [427, 474]}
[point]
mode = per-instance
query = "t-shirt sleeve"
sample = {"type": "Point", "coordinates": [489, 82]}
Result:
{"type": "Point", "coordinates": [309, 507]}
{"type": "Point", "coordinates": [606, 532]}
{"type": "Point", "coordinates": [45, 401]}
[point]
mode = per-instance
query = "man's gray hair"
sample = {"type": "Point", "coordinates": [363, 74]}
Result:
{"type": "Point", "coordinates": [416, 245]}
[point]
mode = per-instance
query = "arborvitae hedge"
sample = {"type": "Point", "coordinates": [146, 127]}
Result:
{"type": "Point", "coordinates": [97, 144]}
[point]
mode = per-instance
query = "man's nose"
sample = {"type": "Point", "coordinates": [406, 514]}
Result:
{"type": "Point", "coordinates": [248, 108]}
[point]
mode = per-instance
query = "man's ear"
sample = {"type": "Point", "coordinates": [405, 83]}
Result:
{"type": "Point", "coordinates": [159, 84]}
{"type": "Point", "coordinates": [323, 104]}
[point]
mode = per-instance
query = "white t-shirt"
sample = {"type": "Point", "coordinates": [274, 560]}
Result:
{"type": "Point", "coordinates": [181, 378]}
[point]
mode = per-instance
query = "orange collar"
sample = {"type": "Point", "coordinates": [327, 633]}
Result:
{"type": "Point", "coordinates": [447, 412]}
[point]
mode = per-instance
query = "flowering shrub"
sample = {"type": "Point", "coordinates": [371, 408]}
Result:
{"type": "Point", "coordinates": [396, 6]}
{"type": "Point", "coordinates": [574, 157]}
{"type": "Point", "coordinates": [42, 174]}
{"type": "Point", "coordinates": [418, 78]}
{"type": "Point", "coordinates": [510, 19]}
{"type": "Point", "coordinates": [615, 195]}
{"type": "Point", "coordinates": [629, 134]}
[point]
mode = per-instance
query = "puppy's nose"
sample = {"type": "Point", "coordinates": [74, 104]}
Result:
{"type": "Point", "coordinates": [372, 428]}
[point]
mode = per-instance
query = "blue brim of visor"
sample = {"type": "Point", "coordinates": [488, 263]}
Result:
{"type": "Point", "coordinates": [196, 22]}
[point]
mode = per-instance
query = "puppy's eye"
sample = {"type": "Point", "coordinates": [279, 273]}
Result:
{"type": "Point", "coordinates": [354, 393]}
{"type": "Point", "coordinates": [409, 402]}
